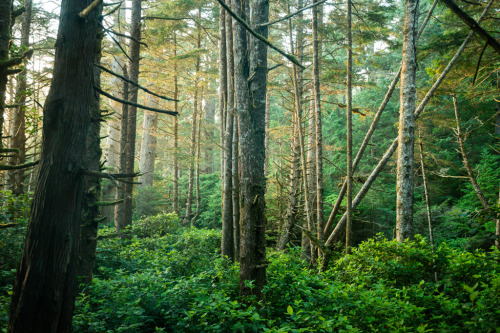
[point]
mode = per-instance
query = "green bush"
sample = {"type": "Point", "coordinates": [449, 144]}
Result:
{"type": "Point", "coordinates": [156, 226]}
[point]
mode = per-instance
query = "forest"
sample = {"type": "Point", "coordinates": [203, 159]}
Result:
{"type": "Point", "coordinates": [249, 166]}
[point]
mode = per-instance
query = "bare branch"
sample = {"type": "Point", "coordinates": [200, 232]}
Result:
{"type": "Point", "coordinates": [19, 166]}
{"type": "Point", "coordinates": [258, 36]}
{"type": "Point", "coordinates": [119, 100]}
{"type": "Point", "coordinates": [91, 7]}
{"type": "Point", "coordinates": [133, 83]}
{"type": "Point", "coordinates": [293, 14]}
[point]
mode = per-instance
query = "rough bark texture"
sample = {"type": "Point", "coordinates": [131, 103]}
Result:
{"type": "Point", "coordinates": [44, 291]}
{"type": "Point", "coordinates": [406, 138]}
{"type": "Point", "coordinates": [148, 146]}
{"type": "Point", "coordinates": [222, 84]}
{"type": "Point", "coordinates": [251, 61]}
{"type": "Point", "coordinates": [15, 178]}
{"type": "Point", "coordinates": [227, 204]}
{"type": "Point", "coordinates": [92, 186]}
{"type": "Point", "coordinates": [135, 49]}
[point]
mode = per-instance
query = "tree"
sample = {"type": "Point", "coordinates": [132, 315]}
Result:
{"type": "Point", "coordinates": [50, 257]}
{"type": "Point", "coordinates": [148, 146]}
{"type": "Point", "coordinates": [135, 50]}
{"type": "Point", "coordinates": [18, 128]}
{"type": "Point", "coordinates": [406, 138]}
{"type": "Point", "coordinates": [250, 85]}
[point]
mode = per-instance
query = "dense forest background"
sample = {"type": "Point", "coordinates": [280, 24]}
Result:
{"type": "Point", "coordinates": [163, 173]}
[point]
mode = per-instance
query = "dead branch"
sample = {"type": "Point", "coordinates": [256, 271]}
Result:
{"type": "Point", "coordinates": [91, 7]}
{"type": "Point", "coordinates": [19, 166]}
{"type": "Point", "coordinates": [292, 14]}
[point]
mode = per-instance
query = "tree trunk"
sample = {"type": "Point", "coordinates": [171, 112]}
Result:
{"type": "Point", "coordinates": [5, 12]}
{"type": "Point", "coordinates": [15, 178]}
{"type": "Point", "coordinates": [198, 163]}
{"type": "Point", "coordinates": [236, 187]}
{"type": "Point", "coordinates": [406, 138]}
{"type": "Point", "coordinates": [50, 257]}
{"type": "Point", "coordinates": [135, 50]}
{"type": "Point", "coordinates": [426, 195]}
{"type": "Point", "coordinates": [222, 85]}
{"type": "Point", "coordinates": [119, 214]}
{"type": "Point", "coordinates": [192, 150]}
{"type": "Point", "coordinates": [176, 133]}
{"type": "Point", "coordinates": [348, 232]}
{"type": "Point", "coordinates": [92, 186]}
{"type": "Point", "coordinates": [148, 146]}
{"type": "Point", "coordinates": [227, 204]}
{"type": "Point", "coordinates": [317, 111]}
{"type": "Point", "coordinates": [251, 61]}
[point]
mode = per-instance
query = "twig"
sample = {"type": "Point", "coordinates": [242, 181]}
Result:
{"type": "Point", "coordinates": [125, 36]}
{"type": "Point", "coordinates": [258, 36]}
{"type": "Point", "coordinates": [292, 14]}
{"type": "Point", "coordinates": [119, 100]}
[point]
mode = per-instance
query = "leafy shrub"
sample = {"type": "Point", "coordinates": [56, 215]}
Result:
{"type": "Point", "coordinates": [156, 226]}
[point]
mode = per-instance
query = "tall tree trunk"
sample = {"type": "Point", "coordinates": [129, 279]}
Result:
{"type": "Point", "coordinates": [176, 133]}
{"type": "Point", "coordinates": [50, 257]}
{"type": "Point", "coordinates": [92, 185]}
{"type": "Point", "coordinates": [236, 187]}
{"type": "Point", "coordinates": [251, 61]}
{"type": "Point", "coordinates": [5, 20]}
{"type": "Point", "coordinates": [135, 50]}
{"type": "Point", "coordinates": [192, 150]}
{"type": "Point", "coordinates": [119, 213]}
{"type": "Point", "coordinates": [198, 162]}
{"type": "Point", "coordinates": [348, 232]}
{"type": "Point", "coordinates": [294, 189]}
{"type": "Point", "coordinates": [406, 139]}
{"type": "Point", "coordinates": [15, 178]}
{"type": "Point", "coordinates": [148, 146]}
{"type": "Point", "coordinates": [222, 85]}
{"type": "Point", "coordinates": [227, 204]}
{"type": "Point", "coordinates": [317, 111]}
{"type": "Point", "coordinates": [268, 123]}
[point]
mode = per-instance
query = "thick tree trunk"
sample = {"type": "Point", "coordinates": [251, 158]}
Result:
{"type": "Point", "coordinates": [15, 180]}
{"type": "Point", "coordinates": [135, 50]}
{"type": "Point", "coordinates": [406, 138]}
{"type": "Point", "coordinates": [148, 146]}
{"type": "Point", "coordinates": [251, 61]}
{"type": "Point", "coordinates": [227, 204]}
{"type": "Point", "coordinates": [50, 257]}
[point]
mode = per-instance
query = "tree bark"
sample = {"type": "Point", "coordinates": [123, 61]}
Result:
{"type": "Point", "coordinates": [15, 178]}
{"type": "Point", "coordinates": [406, 138]}
{"type": "Point", "coordinates": [176, 133]}
{"type": "Point", "coordinates": [426, 195]}
{"type": "Point", "coordinates": [348, 232]}
{"type": "Point", "coordinates": [135, 50]}
{"type": "Point", "coordinates": [148, 146]}
{"type": "Point", "coordinates": [5, 12]}
{"type": "Point", "coordinates": [92, 185]}
{"type": "Point", "coordinates": [317, 111]}
{"type": "Point", "coordinates": [251, 61]}
{"type": "Point", "coordinates": [50, 257]}
{"type": "Point", "coordinates": [227, 204]}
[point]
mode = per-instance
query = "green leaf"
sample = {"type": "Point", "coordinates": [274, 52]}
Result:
{"type": "Point", "coordinates": [289, 310]}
